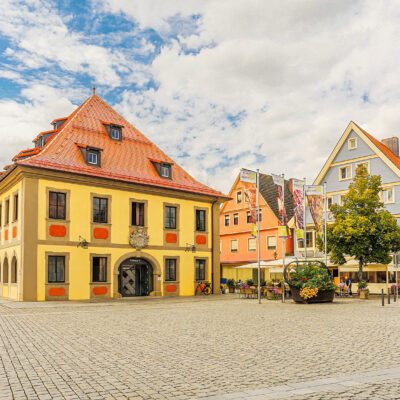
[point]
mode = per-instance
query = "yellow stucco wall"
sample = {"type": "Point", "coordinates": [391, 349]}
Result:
{"type": "Point", "coordinates": [80, 225]}
{"type": "Point", "coordinates": [11, 247]}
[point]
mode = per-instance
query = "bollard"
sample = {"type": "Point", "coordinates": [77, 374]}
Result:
{"type": "Point", "coordinates": [388, 296]}
{"type": "Point", "coordinates": [383, 299]}
{"type": "Point", "coordinates": [394, 297]}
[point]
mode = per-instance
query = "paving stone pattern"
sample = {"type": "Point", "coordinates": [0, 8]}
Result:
{"type": "Point", "coordinates": [189, 348]}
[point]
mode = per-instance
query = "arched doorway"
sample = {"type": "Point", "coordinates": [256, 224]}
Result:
{"type": "Point", "coordinates": [135, 277]}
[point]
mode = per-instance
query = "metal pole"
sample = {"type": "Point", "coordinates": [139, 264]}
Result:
{"type": "Point", "coordinates": [258, 234]}
{"type": "Point", "coordinates": [325, 225]}
{"type": "Point", "coordinates": [304, 221]}
{"type": "Point", "coordinates": [284, 239]}
{"type": "Point", "coordinates": [396, 257]}
{"type": "Point", "coordinates": [388, 295]}
{"type": "Point", "coordinates": [383, 299]}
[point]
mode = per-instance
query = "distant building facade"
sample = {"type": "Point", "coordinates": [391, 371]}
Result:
{"type": "Point", "coordinates": [238, 247]}
{"type": "Point", "coordinates": [357, 147]}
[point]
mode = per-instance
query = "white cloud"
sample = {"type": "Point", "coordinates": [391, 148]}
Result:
{"type": "Point", "coordinates": [296, 71]}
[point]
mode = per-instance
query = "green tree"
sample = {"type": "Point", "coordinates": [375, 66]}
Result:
{"type": "Point", "coordinates": [362, 228]}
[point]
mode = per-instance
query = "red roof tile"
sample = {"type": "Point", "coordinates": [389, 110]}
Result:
{"type": "Point", "coordinates": [384, 149]}
{"type": "Point", "coordinates": [129, 160]}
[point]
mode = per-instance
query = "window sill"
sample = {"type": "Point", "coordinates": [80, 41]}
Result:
{"type": "Point", "coordinates": [171, 281]}
{"type": "Point", "coordinates": [100, 283]}
{"type": "Point", "coordinates": [57, 219]}
{"type": "Point", "coordinates": [57, 283]}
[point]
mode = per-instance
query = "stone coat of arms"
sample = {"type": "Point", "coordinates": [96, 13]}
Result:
{"type": "Point", "coordinates": [139, 238]}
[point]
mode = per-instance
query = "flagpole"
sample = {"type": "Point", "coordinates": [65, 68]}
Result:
{"type": "Point", "coordinates": [258, 234]}
{"type": "Point", "coordinates": [284, 239]}
{"type": "Point", "coordinates": [325, 225]}
{"type": "Point", "coordinates": [304, 221]}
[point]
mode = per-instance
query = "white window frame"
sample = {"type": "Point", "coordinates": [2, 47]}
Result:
{"type": "Point", "coordinates": [252, 240]}
{"type": "Point", "coordinates": [340, 173]}
{"type": "Point", "coordinates": [340, 198]}
{"type": "Point", "coordinates": [227, 217]}
{"type": "Point", "coordinates": [117, 130]}
{"type": "Point", "coordinates": [382, 196]}
{"type": "Point", "coordinates": [95, 155]}
{"type": "Point", "coordinates": [234, 250]}
{"type": "Point", "coordinates": [352, 140]}
{"type": "Point", "coordinates": [271, 237]}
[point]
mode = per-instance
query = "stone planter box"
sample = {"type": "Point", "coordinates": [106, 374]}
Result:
{"type": "Point", "coordinates": [364, 294]}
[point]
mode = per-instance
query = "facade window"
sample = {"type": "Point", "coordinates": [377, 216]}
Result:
{"type": "Point", "coordinates": [329, 201]}
{"type": "Point", "coordinates": [271, 242]}
{"type": "Point", "coordinates": [239, 197]}
{"type": "Point", "coordinates": [251, 244]}
{"type": "Point", "coordinates": [16, 207]}
{"type": "Point", "coordinates": [387, 195]}
{"type": "Point", "coordinates": [352, 143]}
{"type": "Point", "coordinates": [116, 132]}
{"type": "Point", "coordinates": [227, 220]}
{"type": "Point", "coordinates": [309, 239]}
{"type": "Point", "coordinates": [99, 269]}
{"type": "Point", "coordinates": [170, 217]}
{"type": "Point", "coordinates": [93, 157]}
{"type": "Point", "coordinates": [259, 215]}
{"type": "Point", "coordinates": [165, 170]}
{"type": "Point", "coordinates": [57, 205]}
{"type": "Point", "coordinates": [236, 219]}
{"type": "Point", "coordinates": [234, 246]}
{"type": "Point", "coordinates": [300, 243]}
{"type": "Point", "coordinates": [100, 210]}
{"type": "Point", "coordinates": [170, 269]}
{"type": "Point", "coordinates": [1, 214]}
{"type": "Point", "coordinates": [200, 220]}
{"type": "Point", "coordinates": [341, 199]}
{"type": "Point", "coordinates": [200, 270]}
{"type": "Point", "coordinates": [345, 173]}
{"type": "Point", "coordinates": [56, 269]}
{"type": "Point", "coordinates": [7, 216]}
{"type": "Point", "coordinates": [137, 214]}
{"type": "Point", "coordinates": [248, 216]}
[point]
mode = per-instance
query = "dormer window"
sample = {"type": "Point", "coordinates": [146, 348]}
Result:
{"type": "Point", "coordinates": [92, 157]}
{"type": "Point", "coordinates": [115, 132]}
{"type": "Point", "coordinates": [165, 170]}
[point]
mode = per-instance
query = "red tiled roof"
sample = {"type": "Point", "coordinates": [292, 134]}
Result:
{"type": "Point", "coordinates": [384, 149]}
{"type": "Point", "coordinates": [28, 152]}
{"type": "Point", "coordinates": [129, 160]}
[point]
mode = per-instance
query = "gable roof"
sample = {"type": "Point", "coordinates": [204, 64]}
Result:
{"type": "Point", "coordinates": [382, 151]}
{"type": "Point", "coordinates": [129, 160]}
{"type": "Point", "coordinates": [269, 193]}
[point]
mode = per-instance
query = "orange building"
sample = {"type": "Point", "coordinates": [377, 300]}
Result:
{"type": "Point", "coordinates": [238, 247]}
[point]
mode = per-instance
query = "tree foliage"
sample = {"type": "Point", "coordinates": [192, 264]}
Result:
{"type": "Point", "coordinates": [362, 228]}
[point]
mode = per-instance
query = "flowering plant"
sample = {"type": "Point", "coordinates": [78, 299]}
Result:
{"type": "Point", "coordinates": [393, 289]}
{"type": "Point", "coordinates": [308, 292]}
{"type": "Point", "coordinates": [311, 276]}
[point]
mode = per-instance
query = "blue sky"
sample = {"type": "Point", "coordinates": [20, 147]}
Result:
{"type": "Point", "coordinates": [218, 85]}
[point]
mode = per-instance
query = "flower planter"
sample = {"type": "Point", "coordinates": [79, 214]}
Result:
{"type": "Point", "coordinates": [231, 290]}
{"type": "Point", "coordinates": [323, 296]}
{"type": "Point", "coordinates": [364, 294]}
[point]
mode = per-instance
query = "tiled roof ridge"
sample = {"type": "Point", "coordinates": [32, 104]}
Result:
{"type": "Point", "coordinates": [385, 150]}
{"type": "Point", "coordinates": [60, 131]}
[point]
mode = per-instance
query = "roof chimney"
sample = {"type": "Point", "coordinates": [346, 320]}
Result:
{"type": "Point", "coordinates": [392, 144]}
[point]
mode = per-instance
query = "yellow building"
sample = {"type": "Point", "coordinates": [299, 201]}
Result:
{"type": "Point", "coordinates": [96, 210]}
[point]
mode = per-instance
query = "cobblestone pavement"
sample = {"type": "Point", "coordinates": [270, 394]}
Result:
{"type": "Point", "coordinates": [186, 348]}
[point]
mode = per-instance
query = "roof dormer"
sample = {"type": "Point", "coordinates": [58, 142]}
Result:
{"type": "Point", "coordinates": [58, 123]}
{"type": "Point", "coordinates": [114, 131]}
{"type": "Point", "coordinates": [164, 169]}
{"type": "Point", "coordinates": [91, 155]}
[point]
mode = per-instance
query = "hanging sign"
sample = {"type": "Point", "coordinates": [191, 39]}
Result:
{"type": "Point", "coordinates": [248, 176]}
{"type": "Point", "coordinates": [279, 182]}
{"type": "Point", "coordinates": [250, 195]}
{"type": "Point", "coordinates": [298, 204]}
{"type": "Point", "coordinates": [253, 230]}
{"type": "Point", "coordinates": [282, 232]}
{"type": "Point", "coordinates": [314, 198]}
